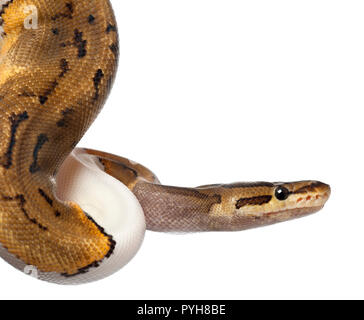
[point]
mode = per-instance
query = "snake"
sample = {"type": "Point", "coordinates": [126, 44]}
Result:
{"type": "Point", "coordinates": [77, 215]}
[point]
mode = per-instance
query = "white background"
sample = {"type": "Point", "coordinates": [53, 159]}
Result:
{"type": "Point", "coordinates": [222, 91]}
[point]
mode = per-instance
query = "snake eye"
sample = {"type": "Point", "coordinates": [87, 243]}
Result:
{"type": "Point", "coordinates": [281, 193]}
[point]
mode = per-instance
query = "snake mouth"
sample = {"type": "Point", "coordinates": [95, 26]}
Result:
{"type": "Point", "coordinates": [294, 213]}
{"type": "Point", "coordinates": [284, 215]}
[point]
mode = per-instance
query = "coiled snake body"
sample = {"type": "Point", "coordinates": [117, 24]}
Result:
{"type": "Point", "coordinates": [77, 216]}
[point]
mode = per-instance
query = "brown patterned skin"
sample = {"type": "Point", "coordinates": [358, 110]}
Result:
{"type": "Point", "coordinates": [54, 80]}
{"type": "Point", "coordinates": [219, 207]}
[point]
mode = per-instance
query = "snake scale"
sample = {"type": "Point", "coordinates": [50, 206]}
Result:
{"type": "Point", "coordinates": [78, 215]}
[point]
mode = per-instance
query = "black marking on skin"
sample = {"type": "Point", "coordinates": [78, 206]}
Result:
{"type": "Point", "coordinates": [97, 80]}
{"type": "Point", "coordinates": [307, 188]}
{"type": "Point", "coordinates": [21, 201]}
{"type": "Point", "coordinates": [43, 98]}
{"type": "Point", "coordinates": [95, 264]}
{"type": "Point", "coordinates": [111, 27]}
{"type": "Point", "coordinates": [4, 6]}
{"type": "Point", "coordinates": [114, 48]}
{"type": "Point", "coordinates": [65, 113]}
{"type": "Point", "coordinates": [64, 67]}
{"type": "Point", "coordinates": [91, 19]}
{"type": "Point", "coordinates": [46, 197]}
{"type": "Point", "coordinates": [68, 14]}
{"type": "Point", "coordinates": [135, 173]}
{"type": "Point", "coordinates": [15, 120]}
{"type": "Point", "coordinates": [125, 167]}
{"type": "Point", "coordinates": [253, 201]}
{"type": "Point", "coordinates": [55, 31]}
{"type": "Point", "coordinates": [42, 139]}
{"type": "Point", "coordinates": [80, 44]}
{"type": "Point", "coordinates": [69, 6]}
{"type": "Point", "coordinates": [77, 42]}
{"type": "Point", "coordinates": [74, 144]}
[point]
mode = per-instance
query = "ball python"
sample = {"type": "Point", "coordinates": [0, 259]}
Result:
{"type": "Point", "coordinates": [78, 215]}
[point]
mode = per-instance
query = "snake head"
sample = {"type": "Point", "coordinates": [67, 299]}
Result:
{"type": "Point", "coordinates": [295, 199]}
{"type": "Point", "coordinates": [264, 203]}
